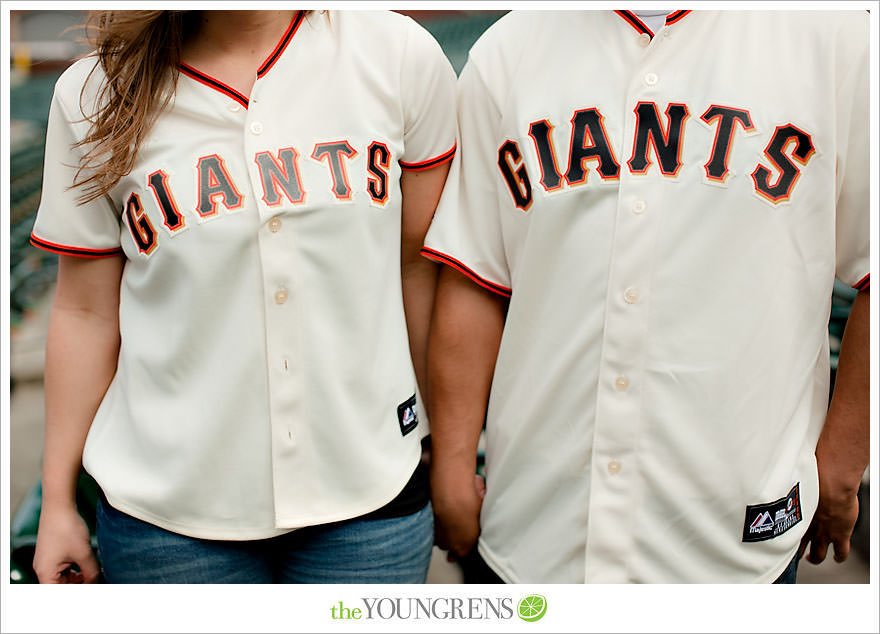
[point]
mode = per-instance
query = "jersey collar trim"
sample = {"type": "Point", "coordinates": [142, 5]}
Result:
{"type": "Point", "coordinates": [285, 40]}
{"type": "Point", "coordinates": [633, 20]}
{"type": "Point", "coordinates": [268, 63]}
{"type": "Point", "coordinates": [216, 84]}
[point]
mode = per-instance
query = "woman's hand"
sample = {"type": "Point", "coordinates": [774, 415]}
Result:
{"type": "Point", "coordinates": [64, 551]}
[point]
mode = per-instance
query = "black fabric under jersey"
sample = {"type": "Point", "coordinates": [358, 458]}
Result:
{"type": "Point", "coordinates": [413, 498]}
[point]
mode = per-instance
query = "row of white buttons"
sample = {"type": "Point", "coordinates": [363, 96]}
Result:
{"type": "Point", "coordinates": [275, 227]}
{"type": "Point", "coordinates": [631, 295]}
{"type": "Point", "coordinates": [256, 126]}
{"type": "Point", "coordinates": [645, 39]}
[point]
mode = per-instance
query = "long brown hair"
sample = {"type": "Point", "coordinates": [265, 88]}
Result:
{"type": "Point", "coordinates": [139, 52]}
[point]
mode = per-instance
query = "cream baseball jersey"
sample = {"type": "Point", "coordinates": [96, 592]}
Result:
{"type": "Point", "coordinates": [264, 378]}
{"type": "Point", "coordinates": [667, 213]}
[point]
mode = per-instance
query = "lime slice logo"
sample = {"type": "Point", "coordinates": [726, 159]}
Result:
{"type": "Point", "coordinates": [532, 608]}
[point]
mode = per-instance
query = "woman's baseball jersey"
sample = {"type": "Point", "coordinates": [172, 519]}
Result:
{"type": "Point", "coordinates": [264, 378]}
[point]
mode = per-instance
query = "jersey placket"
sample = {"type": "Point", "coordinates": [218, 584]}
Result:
{"type": "Point", "coordinates": [279, 263]}
{"type": "Point", "coordinates": [281, 298]}
{"type": "Point", "coordinates": [616, 471]}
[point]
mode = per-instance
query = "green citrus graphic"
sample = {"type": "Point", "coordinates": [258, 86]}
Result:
{"type": "Point", "coordinates": [532, 608]}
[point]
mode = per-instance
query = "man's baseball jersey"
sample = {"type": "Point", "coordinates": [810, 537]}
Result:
{"type": "Point", "coordinates": [667, 214]}
{"type": "Point", "coordinates": [264, 378]}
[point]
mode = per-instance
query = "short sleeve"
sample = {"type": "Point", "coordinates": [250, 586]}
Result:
{"type": "Point", "coordinates": [428, 92]}
{"type": "Point", "coordinates": [466, 230]}
{"type": "Point", "coordinates": [63, 225]}
{"type": "Point", "coordinates": [853, 179]}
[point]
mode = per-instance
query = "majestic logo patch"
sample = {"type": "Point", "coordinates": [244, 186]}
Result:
{"type": "Point", "coordinates": [766, 521]}
{"type": "Point", "coordinates": [407, 416]}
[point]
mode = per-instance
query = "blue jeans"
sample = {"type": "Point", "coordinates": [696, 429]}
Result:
{"type": "Point", "coordinates": [789, 575]}
{"type": "Point", "coordinates": [394, 550]}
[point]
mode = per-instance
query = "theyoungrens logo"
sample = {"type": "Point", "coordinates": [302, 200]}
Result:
{"type": "Point", "coordinates": [530, 608]}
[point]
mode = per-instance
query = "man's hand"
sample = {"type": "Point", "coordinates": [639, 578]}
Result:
{"type": "Point", "coordinates": [842, 451]}
{"type": "Point", "coordinates": [466, 330]}
{"type": "Point", "coordinates": [833, 522]}
{"type": "Point", "coordinates": [457, 504]}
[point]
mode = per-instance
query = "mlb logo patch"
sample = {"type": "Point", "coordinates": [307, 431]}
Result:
{"type": "Point", "coordinates": [766, 521]}
{"type": "Point", "coordinates": [762, 523]}
{"type": "Point", "coordinates": [407, 416]}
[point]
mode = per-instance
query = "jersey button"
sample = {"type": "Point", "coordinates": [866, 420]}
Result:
{"type": "Point", "coordinates": [639, 206]}
{"type": "Point", "coordinates": [281, 296]}
{"type": "Point", "coordinates": [614, 467]}
{"type": "Point", "coordinates": [257, 127]}
{"type": "Point", "coordinates": [631, 295]}
{"type": "Point", "coordinates": [234, 107]}
{"type": "Point", "coordinates": [651, 79]}
{"type": "Point", "coordinates": [644, 40]}
{"type": "Point", "coordinates": [275, 224]}
{"type": "Point", "coordinates": [621, 383]}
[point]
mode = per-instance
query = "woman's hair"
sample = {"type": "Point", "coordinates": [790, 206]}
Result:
{"type": "Point", "coordinates": [139, 52]}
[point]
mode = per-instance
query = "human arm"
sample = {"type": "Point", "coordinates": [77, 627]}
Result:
{"type": "Point", "coordinates": [463, 346]}
{"type": "Point", "coordinates": [82, 350]}
{"type": "Point", "coordinates": [420, 191]}
{"type": "Point", "coordinates": [842, 452]}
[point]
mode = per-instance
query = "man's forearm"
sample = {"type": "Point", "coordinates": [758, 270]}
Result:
{"type": "Point", "coordinates": [465, 337]}
{"type": "Point", "coordinates": [843, 448]}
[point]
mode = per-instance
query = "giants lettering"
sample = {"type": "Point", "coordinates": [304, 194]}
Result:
{"type": "Point", "coordinates": [587, 125]}
{"type": "Point", "coordinates": [283, 173]}
{"type": "Point", "coordinates": [649, 132]}
{"type": "Point", "coordinates": [515, 175]}
{"type": "Point", "coordinates": [783, 136]}
{"type": "Point", "coordinates": [540, 131]}
{"type": "Point", "coordinates": [139, 225]}
{"type": "Point", "coordinates": [214, 182]}
{"type": "Point", "coordinates": [280, 178]}
{"type": "Point", "coordinates": [334, 153]}
{"type": "Point", "coordinates": [716, 168]}
{"type": "Point", "coordinates": [378, 159]}
{"type": "Point", "coordinates": [590, 141]}
{"type": "Point", "coordinates": [172, 218]}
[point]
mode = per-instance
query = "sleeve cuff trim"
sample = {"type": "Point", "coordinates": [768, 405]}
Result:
{"type": "Point", "coordinates": [423, 165]}
{"type": "Point", "coordinates": [863, 284]}
{"type": "Point", "coordinates": [75, 251]}
{"type": "Point", "coordinates": [461, 268]}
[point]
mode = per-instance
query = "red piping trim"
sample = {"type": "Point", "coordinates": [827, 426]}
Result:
{"type": "Point", "coordinates": [633, 20]}
{"type": "Point", "coordinates": [423, 165]}
{"type": "Point", "coordinates": [461, 268]}
{"type": "Point", "coordinates": [216, 84]}
{"type": "Point", "coordinates": [269, 62]}
{"type": "Point", "coordinates": [79, 252]}
{"type": "Point", "coordinates": [674, 17]}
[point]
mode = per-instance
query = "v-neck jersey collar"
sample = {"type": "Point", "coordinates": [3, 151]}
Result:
{"type": "Point", "coordinates": [634, 21]}
{"type": "Point", "coordinates": [264, 68]}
